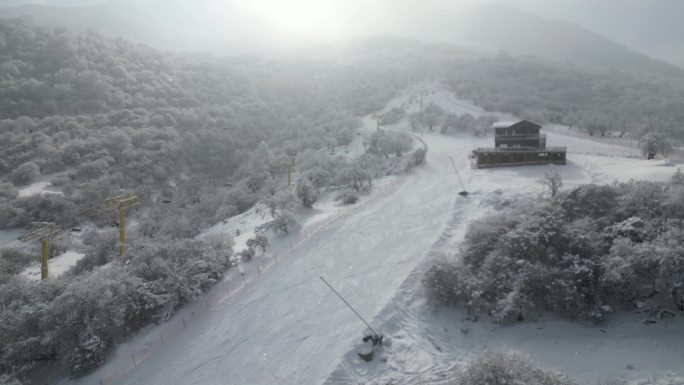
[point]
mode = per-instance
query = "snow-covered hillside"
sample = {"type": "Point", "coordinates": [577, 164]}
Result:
{"type": "Point", "coordinates": [286, 327]}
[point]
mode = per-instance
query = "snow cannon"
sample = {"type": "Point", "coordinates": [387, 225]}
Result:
{"type": "Point", "coordinates": [373, 337]}
{"type": "Point", "coordinates": [376, 341]}
{"type": "Point", "coordinates": [464, 192]}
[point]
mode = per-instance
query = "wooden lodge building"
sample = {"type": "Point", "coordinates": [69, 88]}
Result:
{"type": "Point", "coordinates": [517, 144]}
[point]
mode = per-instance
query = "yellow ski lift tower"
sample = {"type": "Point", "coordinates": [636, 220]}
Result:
{"type": "Point", "coordinates": [121, 202]}
{"type": "Point", "coordinates": [42, 231]}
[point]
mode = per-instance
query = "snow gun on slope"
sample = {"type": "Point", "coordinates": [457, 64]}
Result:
{"type": "Point", "coordinates": [463, 192]}
{"type": "Point", "coordinates": [373, 337]}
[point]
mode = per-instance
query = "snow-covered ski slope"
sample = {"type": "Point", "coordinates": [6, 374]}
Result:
{"type": "Point", "coordinates": [428, 344]}
{"type": "Point", "coordinates": [288, 328]}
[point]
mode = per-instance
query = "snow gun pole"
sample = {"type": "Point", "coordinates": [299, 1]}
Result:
{"type": "Point", "coordinates": [350, 306]}
{"type": "Point", "coordinates": [457, 174]}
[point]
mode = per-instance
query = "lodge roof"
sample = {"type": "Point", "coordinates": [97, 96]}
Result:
{"type": "Point", "coordinates": [509, 124]}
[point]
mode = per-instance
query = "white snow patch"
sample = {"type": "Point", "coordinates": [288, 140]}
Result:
{"type": "Point", "coordinates": [37, 188]}
{"type": "Point", "coordinates": [10, 235]}
{"type": "Point", "coordinates": [56, 266]}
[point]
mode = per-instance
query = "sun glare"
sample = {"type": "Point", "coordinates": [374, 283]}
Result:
{"type": "Point", "coordinates": [319, 19]}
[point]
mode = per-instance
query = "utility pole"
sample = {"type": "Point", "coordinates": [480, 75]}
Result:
{"type": "Point", "coordinates": [121, 202]}
{"type": "Point", "coordinates": [42, 231]}
{"type": "Point", "coordinates": [377, 123]}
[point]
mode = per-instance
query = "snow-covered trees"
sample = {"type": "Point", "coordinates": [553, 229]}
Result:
{"type": "Point", "coordinates": [281, 208]}
{"type": "Point", "coordinates": [306, 193]}
{"type": "Point", "coordinates": [509, 368]}
{"type": "Point", "coordinates": [76, 319]}
{"type": "Point", "coordinates": [38, 208]}
{"type": "Point", "coordinates": [655, 143]}
{"type": "Point", "coordinates": [432, 113]}
{"type": "Point", "coordinates": [392, 116]}
{"type": "Point", "coordinates": [552, 180]}
{"type": "Point", "coordinates": [25, 174]}
{"type": "Point", "coordinates": [12, 262]}
{"type": "Point", "coordinates": [348, 196]}
{"type": "Point", "coordinates": [594, 100]}
{"type": "Point", "coordinates": [356, 178]}
{"type": "Point", "coordinates": [591, 251]}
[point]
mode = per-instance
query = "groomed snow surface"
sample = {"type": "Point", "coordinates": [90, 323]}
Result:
{"type": "Point", "coordinates": [286, 327]}
{"type": "Point", "coordinates": [56, 266]}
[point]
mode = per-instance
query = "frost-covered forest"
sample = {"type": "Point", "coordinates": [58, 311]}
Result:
{"type": "Point", "coordinates": [595, 100]}
{"type": "Point", "coordinates": [200, 139]}
{"type": "Point", "coordinates": [197, 139]}
{"type": "Point", "coordinates": [584, 254]}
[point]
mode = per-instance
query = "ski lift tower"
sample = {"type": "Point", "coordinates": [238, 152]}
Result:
{"type": "Point", "coordinates": [43, 232]}
{"type": "Point", "coordinates": [121, 202]}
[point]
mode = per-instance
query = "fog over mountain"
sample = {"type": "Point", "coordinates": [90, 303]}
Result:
{"type": "Point", "coordinates": [581, 31]}
{"type": "Point", "coordinates": [653, 27]}
{"type": "Point", "coordinates": [496, 187]}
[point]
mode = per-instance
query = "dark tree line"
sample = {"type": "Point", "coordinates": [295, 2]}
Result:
{"type": "Point", "coordinates": [593, 99]}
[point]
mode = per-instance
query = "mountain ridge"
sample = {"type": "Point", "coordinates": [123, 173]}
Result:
{"type": "Point", "coordinates": [491, 27]}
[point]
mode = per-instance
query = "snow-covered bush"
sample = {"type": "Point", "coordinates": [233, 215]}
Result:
{"type": "Point", "coordinates": [25, 174]}
{"type": "Point", "coordinates": [348, 196]}
{"type": "Point", "coordinates": [393, 116]}
{"type": "Point", "coordinates": [306, 193]}
{"type": "Point", "coordinates": [388, 143]}
{"type": "Point", "coordinates": [40, 208]}
{"type": "Point", "coordinates": [9, 380]}
{"type": "Point", "coordinates": [655, 143]}
{"type": "Point", "coordinates": [281, 209]}
{"type": "Point", "coordinates": [13, 262]}
{"type": "Point", "coordinates": [319, 167]}
{"type": "Point", "coordinates": [283, 221]}
{"type": "Point", "coordinates": [247, 254]}
{"type": "Point", "coordinates": [260, 241]}
{"type": "Point", "coordinates": [589, 200]}
{"type": "Point", "coordinates": [8, 191]}
{"type": "Point", "coordinates": [102, 247]}
{"type": "Point", "coordinates": [498, 368]}
{"type": "Point", "coordinates": [450, 285]}
{"type": "Point", "coordinates": [418, 157]}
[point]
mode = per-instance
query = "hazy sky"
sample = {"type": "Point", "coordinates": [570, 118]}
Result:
{"type": "Point", "coordinates": [651, 26]}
